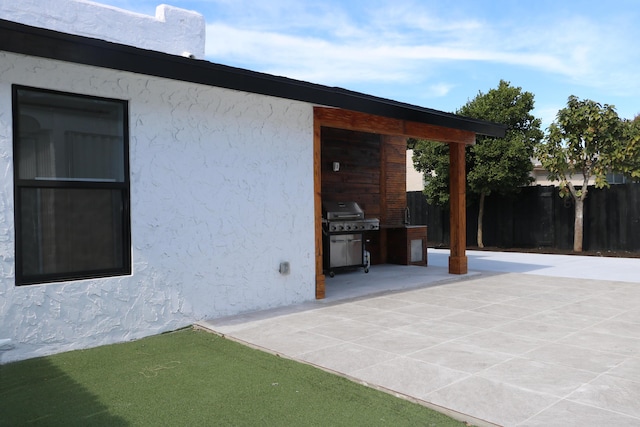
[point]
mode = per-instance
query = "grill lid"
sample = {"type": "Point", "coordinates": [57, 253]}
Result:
{"type": "Point", "coordinates": [342, 211]}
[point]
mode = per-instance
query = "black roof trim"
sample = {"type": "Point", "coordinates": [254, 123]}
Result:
{"type": "Point", "coordinates": [28, 40]}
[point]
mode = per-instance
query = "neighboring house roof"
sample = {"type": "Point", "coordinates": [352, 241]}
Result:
{"type": "Point", "coordinates": [28, 40]}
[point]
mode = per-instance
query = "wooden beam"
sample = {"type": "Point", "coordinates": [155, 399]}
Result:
{"type": "Point", "coordinates": [457, 204]}
{"type": "Point", "coordinates": [351, 120]}
{"type": "Point", "coordinates": [438, 133]}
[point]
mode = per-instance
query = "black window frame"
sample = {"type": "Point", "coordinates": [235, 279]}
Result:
{"type": "Point", "coordinates": [61, 183]}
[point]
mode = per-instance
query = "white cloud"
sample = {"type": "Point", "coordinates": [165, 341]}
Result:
{"type": "Point", "coordinates": [406, 47]}
{"type": "Point", "coordinates": [439, 89]}
{"type": "Point", "coordinates": [369, 58]}
{"type": "Point", "coordinates": [305, 58]}
{"type": "Point", "coordinates": [593, 45]}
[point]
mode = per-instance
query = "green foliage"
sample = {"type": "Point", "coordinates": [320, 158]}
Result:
{"type": "Point", "coordinates": [433, 159]}
{"type": "Point", "coordinates": [503, 164]}
{"type": "Point", "coordinates": [499, 165]}
{"type": "Point", "coordinates": [586, 138]}
{"type": "Point", "coordinates": [627, 158]}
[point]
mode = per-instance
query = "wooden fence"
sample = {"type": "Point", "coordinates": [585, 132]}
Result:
{"type": "Point", "coordinates": [539, 217]}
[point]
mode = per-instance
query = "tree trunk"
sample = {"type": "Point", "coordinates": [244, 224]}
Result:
{"type": "Point", "coordinates": [578, 217]}
{"type": "Point", "coordinates": [480, 215]}
{"type": "Point", "coordinates": [578, 225]}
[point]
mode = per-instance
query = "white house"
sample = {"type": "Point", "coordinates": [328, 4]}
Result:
{"type": "Point", "coordinates": [415, 179]}
{"type": "Point", "coordinates": [143, 190]}
{"type": "Point", "coordinates": [171, 30]}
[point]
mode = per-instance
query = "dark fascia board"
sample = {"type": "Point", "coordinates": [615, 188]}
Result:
{"type": "Point", "coordinates": [39, 42]}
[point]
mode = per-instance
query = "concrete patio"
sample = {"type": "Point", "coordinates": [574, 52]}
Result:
{"type": "Point", "coordinates": [523, 340]}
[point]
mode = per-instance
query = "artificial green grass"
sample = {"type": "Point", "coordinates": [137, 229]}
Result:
{"type": "Point", "coordinates": [192, 378]}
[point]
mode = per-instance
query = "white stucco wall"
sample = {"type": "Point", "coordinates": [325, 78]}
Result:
{"type": "Point", "coordinates": [171, 30]}
{"type": "Point", "coordinates": [415, 179]}
{"type": "Point", "coordinates": [221, 193]}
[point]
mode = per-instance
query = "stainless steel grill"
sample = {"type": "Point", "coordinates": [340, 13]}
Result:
{"type": "Point", "coordinates": [343, 227]}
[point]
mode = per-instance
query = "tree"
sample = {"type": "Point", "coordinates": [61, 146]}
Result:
{"type": "Point", "coordinates": [432, 158]}
{"type": "Point", "coordinates": [500, 165]}
{"type": "Point", "coordinates": [585, 138]}
{"type": "Point", "coordinates": [627, 157]}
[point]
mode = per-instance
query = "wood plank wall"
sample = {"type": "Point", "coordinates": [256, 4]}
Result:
{"type": "Point", "coordinates": [394, 165]}
{"type": "Point", "coordinates": [372, 173]}
{"type": "Point", "coordinates": [359, 176]}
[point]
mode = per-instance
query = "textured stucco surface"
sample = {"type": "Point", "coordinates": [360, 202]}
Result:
{"type": "Point", "coordinates": [415, 179]}
{"type": "Point", "coordinates": [171, 30]}
{"type": "Point", "coordinates": [221, 193]}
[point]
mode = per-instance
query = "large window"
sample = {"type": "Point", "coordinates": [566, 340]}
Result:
{"type": "Point", "coordinates": [71, 186]}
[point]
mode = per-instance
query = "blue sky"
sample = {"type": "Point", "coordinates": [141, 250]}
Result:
{"type": "Point", "coordinates": [433, 53]}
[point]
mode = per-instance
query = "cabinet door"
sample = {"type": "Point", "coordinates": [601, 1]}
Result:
{"type": "Point", "coordinates": [338, 250]}
{"type": "Point", "coordinates": [354, 249]}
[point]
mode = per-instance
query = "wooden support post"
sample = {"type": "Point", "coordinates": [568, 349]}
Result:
{"type": "Point", "coordinates": [458, 210]}
{"type": "Point", "coordinates": [317, 184]}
